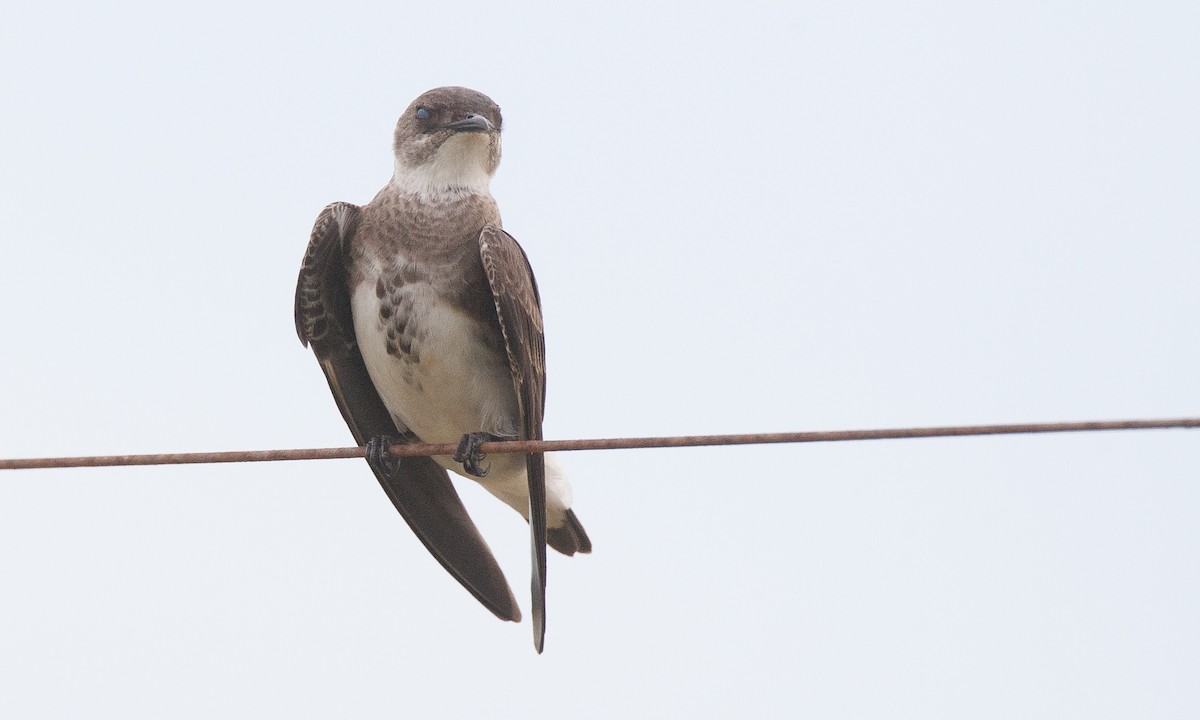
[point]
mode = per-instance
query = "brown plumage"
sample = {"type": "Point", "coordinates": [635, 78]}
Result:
{"type": "Point", "coordinates": [425, 316]}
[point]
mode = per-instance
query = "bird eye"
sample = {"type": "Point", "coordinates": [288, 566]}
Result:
{"type": "Point", "coordinates": [422, 113]}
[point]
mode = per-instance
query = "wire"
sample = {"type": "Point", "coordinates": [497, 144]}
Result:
{"type": "Point", "coordinates": [525, 446]}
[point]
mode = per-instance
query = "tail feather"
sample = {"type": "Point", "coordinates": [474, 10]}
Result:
{"type": "Point", "coordinates": [570, 538]}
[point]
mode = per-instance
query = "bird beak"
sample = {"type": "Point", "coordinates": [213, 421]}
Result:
{"type": "Point", "coordinates": [471, 123]}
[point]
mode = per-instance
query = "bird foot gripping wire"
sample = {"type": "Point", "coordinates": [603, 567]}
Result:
{"type": "Point", "coordinates": [468, 453]}
{"type": "Point", "coordinates": [378, 457]}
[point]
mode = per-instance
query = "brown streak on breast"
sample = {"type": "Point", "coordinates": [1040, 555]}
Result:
{"type": "Point", "coordinates": [403, 241]}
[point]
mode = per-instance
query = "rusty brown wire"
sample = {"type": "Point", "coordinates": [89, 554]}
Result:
{"type": "Point", "coordinates": [516, 446]}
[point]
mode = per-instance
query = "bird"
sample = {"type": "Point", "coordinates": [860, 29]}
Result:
{"type": "Point", "coordinates": [425, 317]}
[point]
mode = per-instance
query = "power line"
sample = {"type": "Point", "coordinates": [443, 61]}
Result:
{"type": "Point", "coordinates": [521, 446]}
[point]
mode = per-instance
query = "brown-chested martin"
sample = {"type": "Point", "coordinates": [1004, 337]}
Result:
{"type": "Point", "coordinates": [425, 317]}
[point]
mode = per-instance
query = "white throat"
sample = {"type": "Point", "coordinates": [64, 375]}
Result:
{"type": "Point", "coordinates": [456, 170]}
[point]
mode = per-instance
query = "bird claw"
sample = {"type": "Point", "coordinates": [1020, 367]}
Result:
{"type": "Point", "coordinates": [378, 457]}
{"type": "Point", "coordinates": [468, 453]}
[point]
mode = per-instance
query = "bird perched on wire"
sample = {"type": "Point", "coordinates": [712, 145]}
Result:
{"type": "Point", "coordinates": [425, 317]}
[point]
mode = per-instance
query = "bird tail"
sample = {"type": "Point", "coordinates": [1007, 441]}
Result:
{"type": "Point", "coordinates": [571, 537]}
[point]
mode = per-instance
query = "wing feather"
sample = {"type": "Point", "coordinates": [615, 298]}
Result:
{"type": "Point", "coordinates": [518, 306]}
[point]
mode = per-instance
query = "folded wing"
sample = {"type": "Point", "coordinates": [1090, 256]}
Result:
{"type": "Point", "coordinates": [418, 487]}
{"type": "Point", "coordinates": [519, 309]}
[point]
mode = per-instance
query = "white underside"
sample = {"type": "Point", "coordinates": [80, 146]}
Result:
{"type": "Point", "coordinates": [459, 386]}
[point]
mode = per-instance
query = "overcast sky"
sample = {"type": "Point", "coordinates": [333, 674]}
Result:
{"type": "Point", "coordinates": [757, 217]}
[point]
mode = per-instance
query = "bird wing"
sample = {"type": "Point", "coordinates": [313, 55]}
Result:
{"type": "Point", "coordinates": [418, 487]}
{"type": "Point", "coordinates": [519, 309]}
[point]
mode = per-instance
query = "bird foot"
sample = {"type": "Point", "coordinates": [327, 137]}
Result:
{"type": "Point", "coordinates": [468, 453]}
{"type": "Point", "coordinates": [378, 457]}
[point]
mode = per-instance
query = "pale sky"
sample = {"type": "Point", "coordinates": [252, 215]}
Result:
{"type": "Point", "coordinates": [757, 217]}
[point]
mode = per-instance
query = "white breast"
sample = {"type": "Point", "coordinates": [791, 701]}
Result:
{"type": "Point", "coordinates": [458, 386]}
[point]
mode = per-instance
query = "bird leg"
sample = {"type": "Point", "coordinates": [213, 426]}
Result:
{"type": "Point", "coordinates": [468, 453]}
{"type": "Point", "coordinates": [378, 457]}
